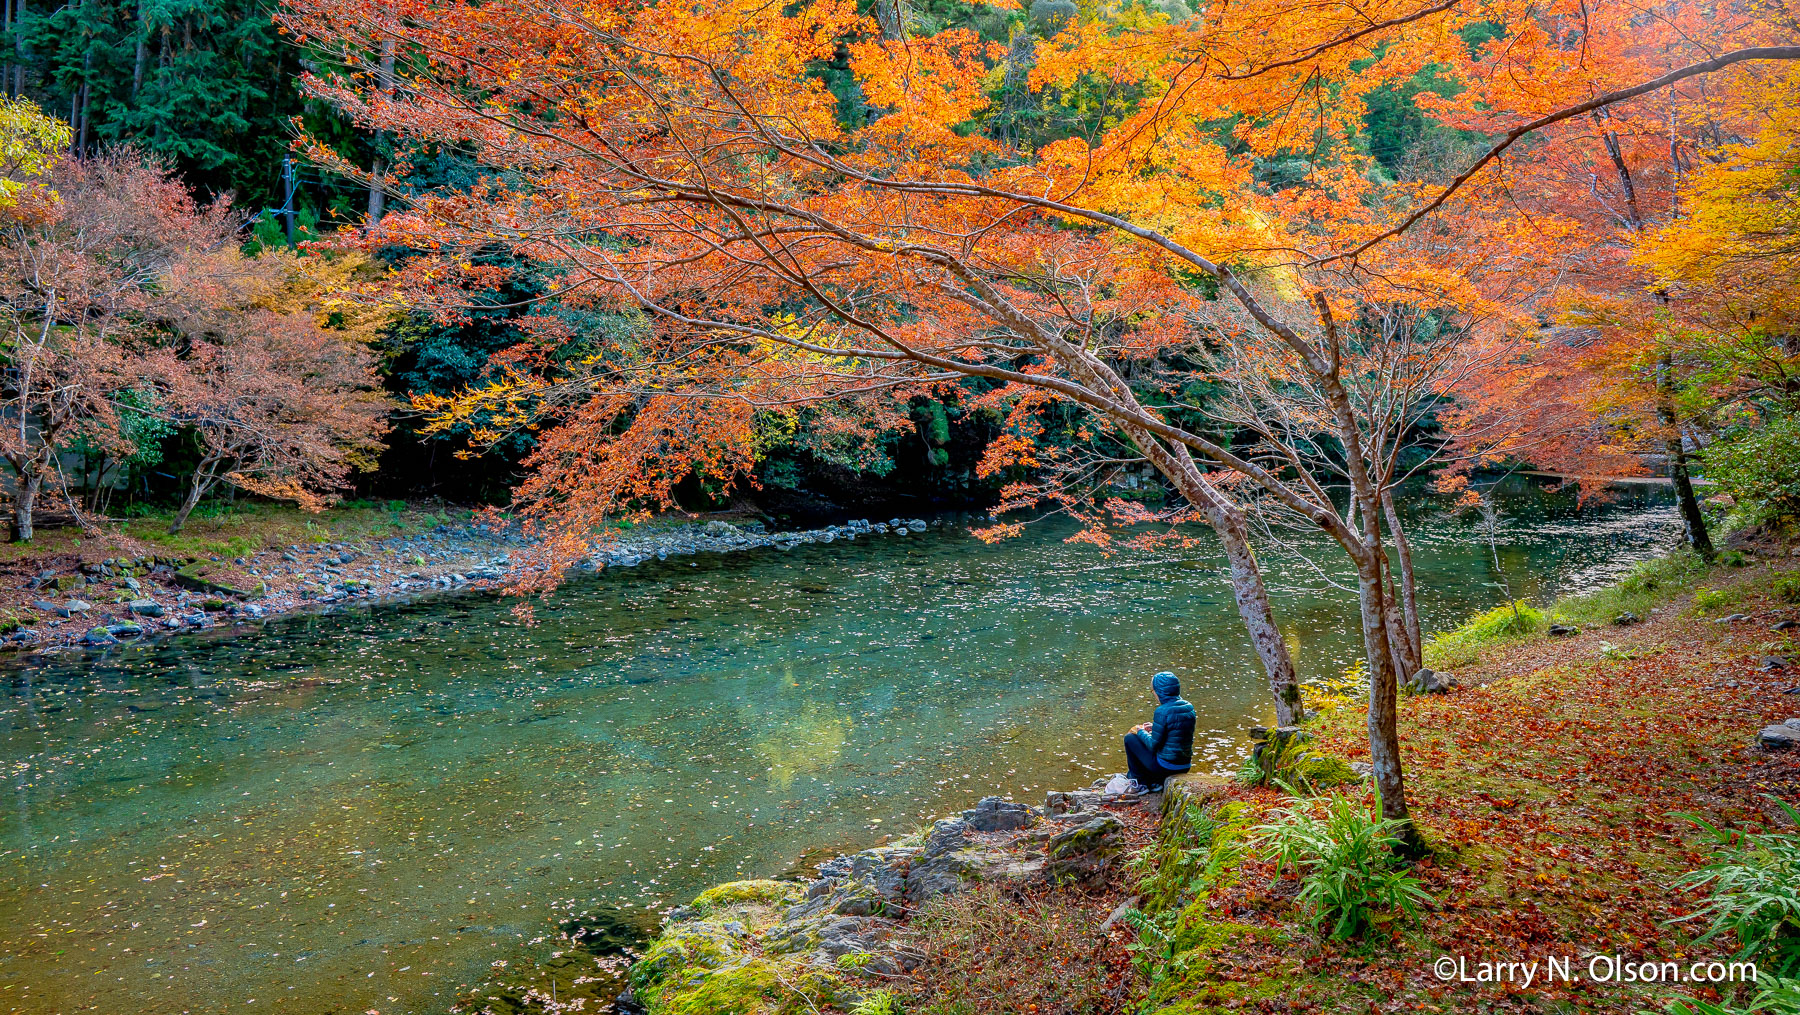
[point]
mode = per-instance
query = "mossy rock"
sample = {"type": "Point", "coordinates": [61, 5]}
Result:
{"type": "Point", "coordinates": [1101, 834]}
{"type": "Point", "coordinates": [701, 969]}
{"type": "Point", "coordinates": [759, 893]}
{"type": "Point", "coordinates": [753, 987]}
{"type": "Point", "coordinates": [203, 576]}
{"type": "Point", "coordinates": [793, 938]}
{"type": "Point", "coordinates": [1323, 771]}
{"type": "Point", "coordinates": [1193, 787]}
{"type": "Point", "coordinates": [683, 954]}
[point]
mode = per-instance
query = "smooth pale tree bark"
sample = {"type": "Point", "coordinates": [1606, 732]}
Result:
{"type": "Point", "coordinates": [25, 505]}
{"type": "Point", "coordinates": [1247, 587]}
{"type": "Point", "coordinates": [1409, 593]}
{"type": "Point", "coordinates": [1252, 598]}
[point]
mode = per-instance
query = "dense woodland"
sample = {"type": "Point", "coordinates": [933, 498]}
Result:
{"type": "Point", "coordinates": [211, 96]}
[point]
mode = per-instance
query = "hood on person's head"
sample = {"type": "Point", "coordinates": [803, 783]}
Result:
{"type": "Point", "coordinates": [1165, 685]}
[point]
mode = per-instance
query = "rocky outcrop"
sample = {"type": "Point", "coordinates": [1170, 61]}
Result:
{"type": "Point", "coordinates": [832, 939]}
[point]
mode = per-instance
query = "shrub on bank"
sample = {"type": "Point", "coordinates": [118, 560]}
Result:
{"type": "Point", "coordinates": [1648, 585]}
{"type": "Point", "coordinates": [1759, 466]}
{"type": "Point", "coordinates": [1349, 870]}
{"type": "Point", "coordinates": [1754, 894]}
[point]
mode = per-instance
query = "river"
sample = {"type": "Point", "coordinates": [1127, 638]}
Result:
{"type": "Point", "coordinates": [364, 810]}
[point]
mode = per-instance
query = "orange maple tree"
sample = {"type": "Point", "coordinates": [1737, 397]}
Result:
{"type": "Point", "coordinates": [692, 163]}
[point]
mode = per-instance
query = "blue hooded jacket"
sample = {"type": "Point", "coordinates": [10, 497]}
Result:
{"type": "Point", "coordinates": [1171, 732]}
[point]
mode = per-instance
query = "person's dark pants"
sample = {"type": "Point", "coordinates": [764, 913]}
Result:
{"type": "Point", "coordinates": [1143, 765]}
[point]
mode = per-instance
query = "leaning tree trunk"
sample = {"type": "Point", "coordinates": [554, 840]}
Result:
{"type": "Point", "coordinates": [1693, 523]}
{"type": "Point", "coordinates": [1226, 518]}
{"type": "Point", "coordinates": [1247, 587]}
{"type": "Point", "coordinates": [1371, 585]}
{"type": "Point", "coordinates": [203, 481]}
{"type": "Point", "coordinates": [25, 505]}
{"type": "Point", "coordinates": [1259, 619]}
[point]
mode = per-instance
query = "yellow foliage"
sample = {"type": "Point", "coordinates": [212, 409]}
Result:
{"type": "Point", "coordinates": [1738, 239]}
{"type": "Point", "coordinates": [332, 287]}
{"type": "Point", "coordinates": [30, 143]}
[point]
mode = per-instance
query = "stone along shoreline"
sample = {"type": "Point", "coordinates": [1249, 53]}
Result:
{"type": "Point", "coordinates": [122, 600]}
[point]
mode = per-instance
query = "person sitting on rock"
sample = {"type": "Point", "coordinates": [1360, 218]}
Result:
{"type": "Point", "coordinates": [1164, 746]}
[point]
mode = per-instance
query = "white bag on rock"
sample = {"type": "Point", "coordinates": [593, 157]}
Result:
{"type": "Point", "coordinates": [1119, 785]}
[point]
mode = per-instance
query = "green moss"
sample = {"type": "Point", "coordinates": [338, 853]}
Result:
{"type": "Point", "coordinates": [743, 989]}
{"type": "Point", "coordinates": [1321, 771]}
{"type": "Point", "coordinates": [1197, 851]}
{"type": "Point", "coordinates": [683, 952]}
{"type": "Point", "coordinates": [721, 981]}
{"type": "Point", "coordinates": [762, 893]}
{"type": "Point", "coordinates": [1292, 761]}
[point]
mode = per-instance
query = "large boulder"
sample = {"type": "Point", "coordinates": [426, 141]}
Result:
{"type": "Point", "coordinates": [1082, 852]}
{"type": "Point", "coordinates": [1784, 736]}
{"type": "Point", "coordinates": [1428, 681]}
{"type": "Point", "coordinates": [997, 814]}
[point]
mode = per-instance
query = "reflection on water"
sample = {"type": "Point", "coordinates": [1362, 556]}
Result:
{"type": "Point", "coordinates": [364, 810]}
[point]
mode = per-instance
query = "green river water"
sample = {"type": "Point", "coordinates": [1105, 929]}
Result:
{"type": "Point", "coordinates": [364, 810]}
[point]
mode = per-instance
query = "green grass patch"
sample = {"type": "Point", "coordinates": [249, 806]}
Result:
{"type": "Point", "coordinates": [1501, 625]}
{"type": "Point", "coordinates": [1648, 585]}
{"type": "Point", "coordinates": [238, 530]}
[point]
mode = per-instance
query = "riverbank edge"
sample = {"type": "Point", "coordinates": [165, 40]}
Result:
{"type": "Point", "coordinates": [1240, 943]}
{"type": "Point", "coordinates": [840, 941]}
{"type": "Point", "coordinates": [98, 605]}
